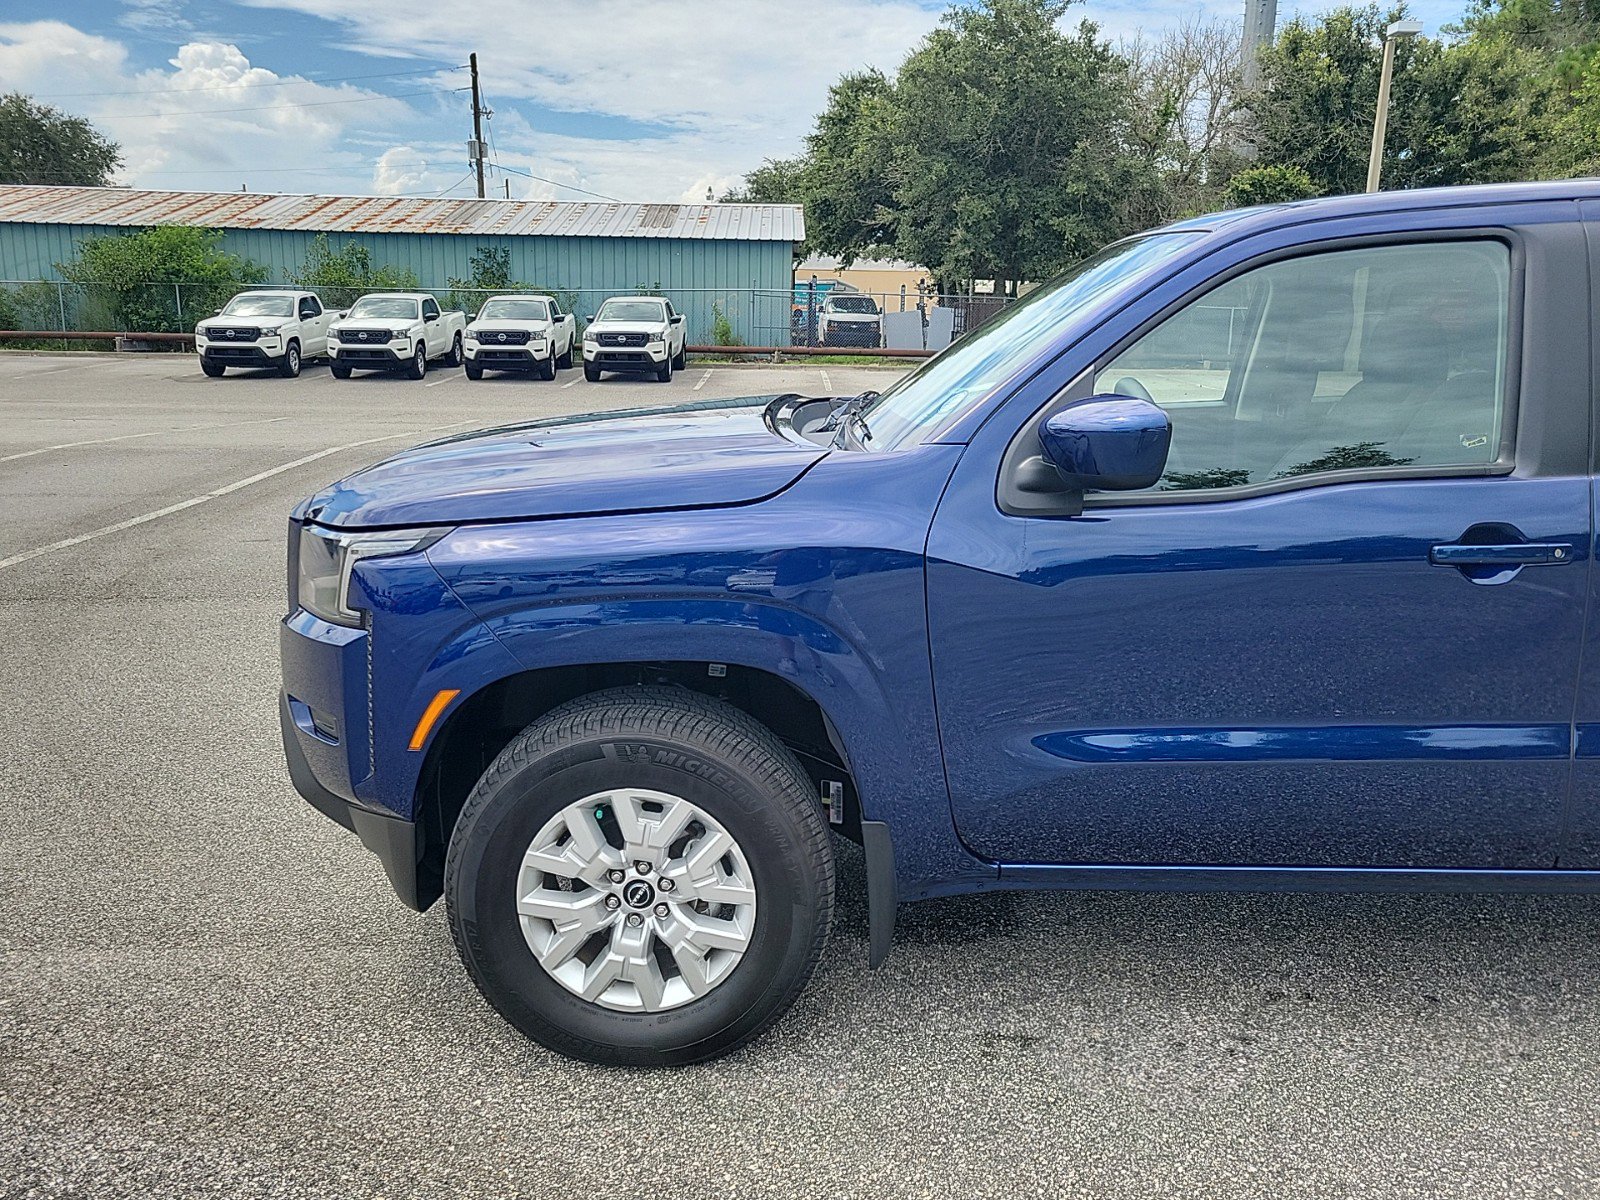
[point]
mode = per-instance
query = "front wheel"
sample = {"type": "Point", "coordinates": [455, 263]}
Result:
{"type": "Point", "coordinates": [289, 364]}
{"type": "Point", "coordinates": [565, 361]}
{"type": "Point", "coordinates": [338, 370]}
{"type": "Point", "coordinates": [679, 361]}
{"type": "Point", "coordinates": [664, 371]}
{"type": "Point", "coordinates": [457, 355]}
{"type": "Point", "coordinates": [547, 368]}
{"type": "Point", "coordinates": [591, 372]}
{"type": "Point", "coordinates": [474, 371]}
{"type": "Point", "coordinates": [642, 878]}
{"type": "Point", "coordinates": [213, 370]}
{"type": "Point", "coordinates": [418, 366]}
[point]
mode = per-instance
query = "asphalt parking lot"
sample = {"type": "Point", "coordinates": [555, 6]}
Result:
{"type": "Point", "coordinates": [207, 989]}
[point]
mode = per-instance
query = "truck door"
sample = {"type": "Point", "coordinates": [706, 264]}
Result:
{"type": "Point", "coordinates": [1343, 629]}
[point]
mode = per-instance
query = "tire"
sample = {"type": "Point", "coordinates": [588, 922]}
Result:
{"type": "Point", "coordinates": [679, 360]}
{"type": "Point", "coordinates": [289, 364]}
{"type": "Point", "coordinates": [565, 361]}
{"type": "Point", "coordinates": [601, 750]}
{"type": "Point", "coordinates": [591, 372]}
{"type": "Point", "coordinates": [338, 370]}
{"type": "Point", "coordinates": [457, 357]}
{"type": "Point", "coordinates": [474, 371]}
{"type": "Point", "coordinates": [418, 366]}
{"type": "Point", "coordinates": [547, 369]}
{"type": "Point", "coordinates": [213, 369]}
{"type": "Point", "coordinates": [664, 371]}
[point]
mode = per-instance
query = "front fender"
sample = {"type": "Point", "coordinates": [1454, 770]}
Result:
{"type": "Point", "coordinates": [838, 610]}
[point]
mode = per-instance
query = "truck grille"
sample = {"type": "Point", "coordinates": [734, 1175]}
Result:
{"type": "Point", "coordinates": [503, 337]}
{"type": "Point", "coordinates": [623, 339]}
{"type": "Point", "coordinates": [232, 333]}
{"type": "Point", "coordinates": [364, 337]}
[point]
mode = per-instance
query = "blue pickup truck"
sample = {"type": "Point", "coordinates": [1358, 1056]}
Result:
{"type": "Point", "coordinates": [1253, 552]}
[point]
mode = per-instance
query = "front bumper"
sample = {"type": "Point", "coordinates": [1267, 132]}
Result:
{"type": "Point", "coordinates": [864, 333]}
{"type": "Point", "coordinates": [390, 356]}
{"type": "Point", "coordinates": [508, 358]}
{"type": "Point", "coordinates": [626, 358]}
{"type": "Point", "coordinates": [393, 839]}
{"type": "Point", "coordinates": [252, 354]}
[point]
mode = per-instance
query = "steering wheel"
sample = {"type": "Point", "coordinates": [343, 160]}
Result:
{"type": "Point", "coordinates": [1129, 386]}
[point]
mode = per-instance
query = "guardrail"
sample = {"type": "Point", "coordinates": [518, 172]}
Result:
{"type": "Point", "coordinates": [187, 339]}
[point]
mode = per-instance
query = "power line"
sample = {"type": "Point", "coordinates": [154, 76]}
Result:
{"type": "Point", "coordinates": [228, 87]}
{"type": "Point", "coordinates": [559, 184]}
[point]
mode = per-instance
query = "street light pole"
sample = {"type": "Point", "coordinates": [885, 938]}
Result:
{"type": "Point", "coordinates": [1380, 120]}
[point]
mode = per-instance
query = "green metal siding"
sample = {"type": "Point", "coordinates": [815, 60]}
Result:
{"type": "Point", "coordinates": [691, 273]}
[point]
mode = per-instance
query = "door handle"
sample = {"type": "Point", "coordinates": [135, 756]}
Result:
{"type": "Point", "coordinates": [1515, 554]}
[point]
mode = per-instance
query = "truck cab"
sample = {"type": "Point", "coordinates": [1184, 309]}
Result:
{"type": "Point", "coordinates": [1251, 552]}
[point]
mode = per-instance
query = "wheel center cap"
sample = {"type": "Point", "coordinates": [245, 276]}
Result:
{"type": "Point", "coordinates": [639, 894]}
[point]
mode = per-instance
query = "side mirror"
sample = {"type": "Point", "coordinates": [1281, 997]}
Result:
{"type": "Point", "coordinates": [677, 319]}
{"type": "Point", "coordinates": [216, 312]}
{"type": "Point", "coordinates": [472, 316]}
{"type": "Point", "coordinates": [589, 320]}
{"type": "Point", "coordinates": [1109, 443]}
{"type": "Point", "coordinates": [342, 313]}
{"type": "Point", "coordinates": [431, 317]}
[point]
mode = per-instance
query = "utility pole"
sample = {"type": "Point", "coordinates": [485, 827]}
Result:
{"type": "Point", "coordinates": [1260, 24]}
{"type": "Point", "coordinates": [477, 122]}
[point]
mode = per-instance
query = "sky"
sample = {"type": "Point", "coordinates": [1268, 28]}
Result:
{"type": "Point", "coordinates": [635, 100]}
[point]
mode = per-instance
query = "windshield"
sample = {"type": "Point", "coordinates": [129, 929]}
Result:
{"type": "Point", "coordinates": [632, 310]}
{"type": "Point", "coordinates": [515, 310]}
{"type": "Point", "coordinates": [385, 307]}
{"type": "Point", "coordinates": [259, 306]}
{"type": "Point", "coordinates": [852, 304]}
{"type": "Point", "coordinates": [972, 367]}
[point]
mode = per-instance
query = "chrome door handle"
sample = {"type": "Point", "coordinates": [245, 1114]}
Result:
{"type": "Point", "coordinates": [1517, 554]}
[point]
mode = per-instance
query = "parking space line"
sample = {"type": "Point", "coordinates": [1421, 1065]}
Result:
{"type": "Point", "coordinates": [128, 437]}
{"type": "Point", "coordinates": [703, 380]}
{"type": "Point", "coordinates": [218, 493]}
{"type": "Point", "coordinates": [565, 386]}
{"type": "Point", "coordinates": [827, 384]}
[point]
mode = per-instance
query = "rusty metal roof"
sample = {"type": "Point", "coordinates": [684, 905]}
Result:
{"type": "Point", "coordinates": [390, 214]}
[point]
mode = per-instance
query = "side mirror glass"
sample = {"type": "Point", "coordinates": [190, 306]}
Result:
{"type": "Point", "coordinates": [1108, 443]}
{"type": "Point", "coordinates": [216, 312]}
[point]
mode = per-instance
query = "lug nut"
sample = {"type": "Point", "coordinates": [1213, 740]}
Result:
{"type": "Point", "coordinates": [666, 885]}
{"type": "Point", "coordinates": [642, 867]}
{"type": "Point", "coordinates": [635, 919]}
{"type": "Point", "coordinates": [662, 910]}
{"type": "Point", "coordinates": [615, 875]}
{"type": "Point", "coordinates": [613, 903]}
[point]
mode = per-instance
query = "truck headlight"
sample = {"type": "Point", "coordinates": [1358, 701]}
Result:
{"type": "Point", "coordinates": [270, 330]}
{"type": "Point", "coordinates": [472, 334]}
{"type": "Point", "coordinates": [657, 339]}
{"type": "Point", "coordinates": [324, 558]}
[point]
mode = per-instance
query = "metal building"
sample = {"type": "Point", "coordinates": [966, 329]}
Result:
{"type": "Point", "coordinates": [695, 254]}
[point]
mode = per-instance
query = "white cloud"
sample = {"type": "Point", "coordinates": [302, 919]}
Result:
{"type": "Point", "coordinates": [210, 120]}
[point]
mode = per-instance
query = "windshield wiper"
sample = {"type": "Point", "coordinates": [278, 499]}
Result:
{"type": "Point", "coordinates": [848, 420]}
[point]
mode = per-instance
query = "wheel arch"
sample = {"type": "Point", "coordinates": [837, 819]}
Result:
{"type": "Point", "coordinates": [480, 726]}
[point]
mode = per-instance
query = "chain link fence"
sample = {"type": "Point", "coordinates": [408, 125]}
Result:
{"type": "Point", "coordinates": [817, 316]}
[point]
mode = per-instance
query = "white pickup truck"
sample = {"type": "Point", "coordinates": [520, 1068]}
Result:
{"type": "Point", "coordinates": [635, 334]}
{"type": "Point", "coordinates": [263, 329]}
{"type": "Point", "coordinates": [520, 333]}
{"type": "Point", "coordinates": [395, 331]}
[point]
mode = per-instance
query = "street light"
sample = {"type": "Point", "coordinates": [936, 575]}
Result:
{"type": "Point", "coordinates": [1380, 120]}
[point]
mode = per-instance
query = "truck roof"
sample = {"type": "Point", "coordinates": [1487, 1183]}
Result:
{"type": "Point", "coordinates": [1297, 212]}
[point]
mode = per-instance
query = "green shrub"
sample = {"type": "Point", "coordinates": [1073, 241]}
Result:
{"type": "Point", "coordinates": [1269, 185]}
{"type": "Point", "coordinates": [339, 275]}
{"type": "Point", "coordinates": [722, 333]}
{"type": "Point", "coordinates": [161, 279]}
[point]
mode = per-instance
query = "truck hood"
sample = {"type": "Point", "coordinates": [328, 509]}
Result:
{"type": "Point", "coordinates": [392, 324]}
{"type": "Point", "coordinates": [712, 454]}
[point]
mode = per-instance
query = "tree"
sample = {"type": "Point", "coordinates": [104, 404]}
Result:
{"type": "Point", "coordinates": [1012, 135]}
{"type": "Point", "coordinates": [848, 181]}
{"type": "Point", "coordinates": [39, 144]}
{"type": "Point", "coordinates": [1474, 110]}
{"type": "Point", "coordinates": [1185, 118]}
{"type": "Point", "coordinates": [158, 279]}
{"type": "Point", "coordinates": [775, 181]}
{"type": "Point", "coordinates": [1269, 185]}
{"type": "Point", "coordinates": [341, 274]}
